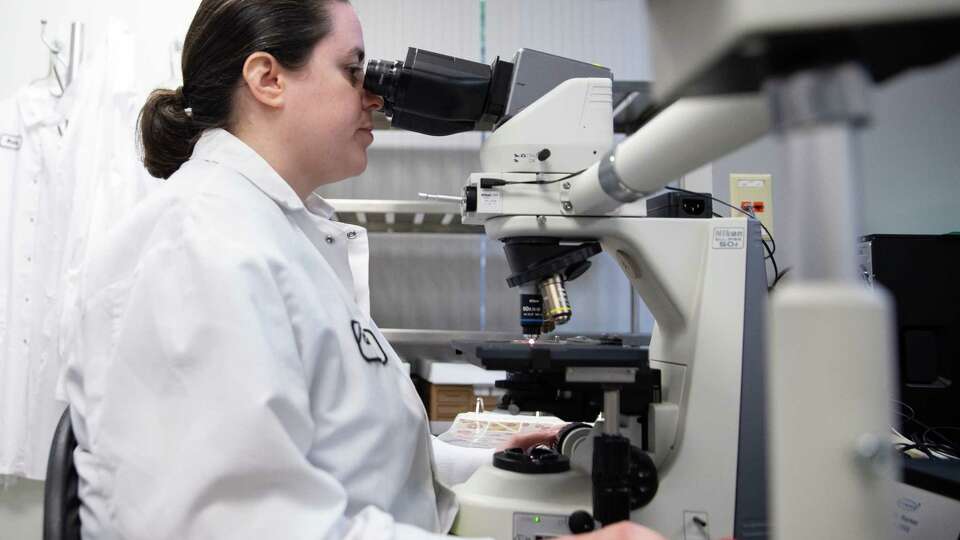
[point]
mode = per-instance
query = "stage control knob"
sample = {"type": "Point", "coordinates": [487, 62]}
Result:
{"type": "Point", "coordinates": [580, 522]}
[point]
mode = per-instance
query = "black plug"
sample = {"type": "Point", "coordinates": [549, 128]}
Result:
{"type": "Point", "coordinates": [486, 183]}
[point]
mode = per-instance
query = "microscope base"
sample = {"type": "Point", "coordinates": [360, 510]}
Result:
{"type": "Point", "coordinates": [503, 504]}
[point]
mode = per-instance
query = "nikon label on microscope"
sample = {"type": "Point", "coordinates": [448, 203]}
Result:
{"type": "Point", "coordinates": [729, 237]}
{"type": "Point", "coordinates": [489, 201]}
{"type": "Point", "coordinates": [531, 310]}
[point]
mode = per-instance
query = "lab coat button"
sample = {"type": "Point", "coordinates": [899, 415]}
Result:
{"type": "Point", "coordinates": [352, 234]}
{"type": "Point", "coordinates": [330, 240]}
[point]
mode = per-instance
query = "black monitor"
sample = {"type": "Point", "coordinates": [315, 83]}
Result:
{"type": "Point", "coordinates": [923, 274]}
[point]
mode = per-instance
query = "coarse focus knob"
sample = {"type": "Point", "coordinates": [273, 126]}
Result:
{"type": "Point", "coordinates": [580, 522]}
{"type": "Point", "coordinates": [470, 200]}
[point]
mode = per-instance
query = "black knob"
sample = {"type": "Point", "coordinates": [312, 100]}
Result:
{"type": "Point", "coordinates": [470, 192]}
{"type": "Point", "coordinates": [643, 478]}
{"type": "Point", "coordinates": [544, 154]}
{"type": "Point", "coordinates": [580, 522]}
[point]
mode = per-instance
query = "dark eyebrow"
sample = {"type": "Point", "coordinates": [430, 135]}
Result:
{"type": "Point", "coordinates": [358, 52]}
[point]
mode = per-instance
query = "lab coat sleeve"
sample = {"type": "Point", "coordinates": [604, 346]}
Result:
{"type": "Point", "coordinates": [203, 415]}
{"type": "Point", "coordinates": [456, 464]}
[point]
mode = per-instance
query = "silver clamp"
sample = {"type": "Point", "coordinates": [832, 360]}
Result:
{"type": "Point", "coordinates": [611, 182]}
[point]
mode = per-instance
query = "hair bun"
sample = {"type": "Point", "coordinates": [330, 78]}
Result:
{"type": "Point", "coordinates": [167, 132]}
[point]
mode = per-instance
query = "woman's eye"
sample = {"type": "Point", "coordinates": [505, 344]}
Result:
{"type": "Point", "coordinates": [355, 73]}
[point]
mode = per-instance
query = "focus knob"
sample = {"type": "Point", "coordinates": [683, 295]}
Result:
{"type": "Point", "coordinates": [470, 194]}
{"type": "Point", "coordinates": [580, 522]}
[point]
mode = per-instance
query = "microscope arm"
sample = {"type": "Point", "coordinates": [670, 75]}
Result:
{"type": "Point", "coordinates": [686, 135]}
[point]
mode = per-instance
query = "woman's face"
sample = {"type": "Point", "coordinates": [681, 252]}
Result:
{"type": "Point", "coordinates": [329, 114]}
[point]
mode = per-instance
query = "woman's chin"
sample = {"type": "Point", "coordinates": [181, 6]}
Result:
{"type": "Point", "coordinates": [358, 163]}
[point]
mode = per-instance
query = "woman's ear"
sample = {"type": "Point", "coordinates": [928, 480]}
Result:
{"type": "Point", "coordinates": [261, 74]}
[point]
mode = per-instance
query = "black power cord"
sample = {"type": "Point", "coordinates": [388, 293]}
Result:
{"type": "Point", "coordinates": [771, 248]}
{"type": "Point", "coordinates": [922, 442]}
{"type": "Point", "coordinates": [495, 182]}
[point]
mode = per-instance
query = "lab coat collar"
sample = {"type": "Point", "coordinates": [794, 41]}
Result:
{"type": "Point", "coordinates": [316, 204]}
{"type": "Point", "coordinates": [222, 147]}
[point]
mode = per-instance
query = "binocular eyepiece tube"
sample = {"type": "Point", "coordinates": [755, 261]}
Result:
{"type": "Point", "coordinates": [436, 94]}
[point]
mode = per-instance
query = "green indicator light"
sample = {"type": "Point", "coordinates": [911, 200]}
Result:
{"type": "Point", "coordinates": [536, 519]}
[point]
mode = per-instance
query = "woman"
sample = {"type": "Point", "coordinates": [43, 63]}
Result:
{"type": "Point", "coordinates": [227, 379]}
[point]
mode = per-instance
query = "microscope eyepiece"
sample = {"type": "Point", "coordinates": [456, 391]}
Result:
{"type": "Point", "coordinates": [382, 78]}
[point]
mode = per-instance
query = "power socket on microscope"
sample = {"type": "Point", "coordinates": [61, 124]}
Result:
{"type": "Point", "coordinates": [680, 205]}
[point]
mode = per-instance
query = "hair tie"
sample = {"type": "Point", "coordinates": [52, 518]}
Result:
{"type": "Point", "coordinates": [182, 96]}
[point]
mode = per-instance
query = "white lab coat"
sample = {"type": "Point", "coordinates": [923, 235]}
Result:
{"type": "Point", "coordinates": [59, 193]}
{"type": "Point", "coordinates": [32, 210]}
{"type": "Point", "coordinates": [225, 381]}
{"type": "Point", "coordinates": [100, 162]}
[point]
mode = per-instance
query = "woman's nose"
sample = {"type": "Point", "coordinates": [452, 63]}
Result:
{"type": "Point", "coordinates": [372, 101]}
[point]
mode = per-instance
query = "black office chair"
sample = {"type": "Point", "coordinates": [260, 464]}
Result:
{"type": "Point", "coordinates": [61, 503]}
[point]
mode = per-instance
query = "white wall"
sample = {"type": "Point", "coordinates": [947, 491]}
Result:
{"type": "Point", "coordinates": [911, 154]}
{"type": "Point", "coordinates": [591, 30]}
{"type": "Point", "coordinates": [155, 24]}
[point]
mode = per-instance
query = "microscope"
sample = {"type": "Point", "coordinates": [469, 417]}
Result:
{"type": "Point", "coordinates": [742, 417]}
{"type": "Point", "coordinates": [681, 442]}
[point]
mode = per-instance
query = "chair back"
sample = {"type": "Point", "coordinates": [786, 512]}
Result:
{"type": "Point", "coordinates": [61, 503]}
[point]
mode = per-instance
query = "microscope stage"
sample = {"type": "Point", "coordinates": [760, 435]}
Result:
{"type": "Point", "coordinates": [553, 355]}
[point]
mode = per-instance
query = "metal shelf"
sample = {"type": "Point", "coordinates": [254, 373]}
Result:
{"type": "Point", "coordinates": [395, 216]}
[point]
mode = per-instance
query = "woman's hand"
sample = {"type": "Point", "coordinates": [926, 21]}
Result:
{"type": "Point", "coordinates": [624, 530]}
{"type": "Point", "coordinates": [531, 439]}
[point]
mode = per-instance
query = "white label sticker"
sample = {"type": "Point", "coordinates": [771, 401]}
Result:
{"type": "Point", "coordinates": [12, 142]}
{"type": "Point", "coordinates": [728, 237]}
{"type": "Point", "coordinates": [489, 201]}
{"type": "Point", "coordinates": [523, 157]}
{"type": "Point", "coordinates": [750, 183]}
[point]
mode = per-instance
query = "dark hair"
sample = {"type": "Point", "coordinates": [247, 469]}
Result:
{"type": "Point", "coordinates": [221, 37]}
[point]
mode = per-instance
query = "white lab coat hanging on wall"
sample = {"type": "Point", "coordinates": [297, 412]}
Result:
{"type": "Point", "coordinates": [101, 160]}
{"type": "Point", "coordinates": [225, 381]}
{"type": "Point", "coordinates": [69, 170]}
{"type": "Point", "coordinates": [33, 209]}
